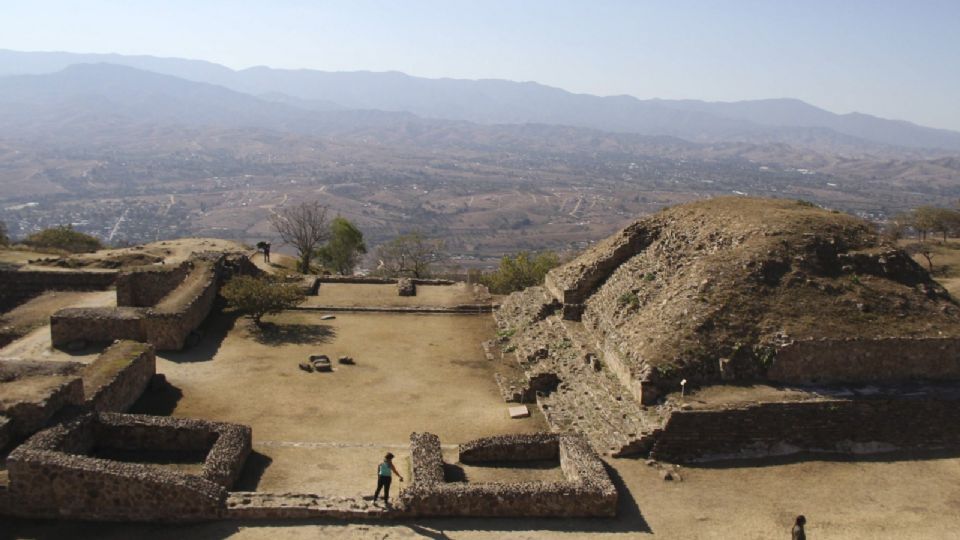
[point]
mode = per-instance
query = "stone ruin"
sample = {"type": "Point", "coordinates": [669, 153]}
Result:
{"type": "Point", "coordinates": [34, 393]}
{"type": "Point", "coordinates": [807, 303]}
{"type": "Point", "coordinates": [57, 473]}
{"type": "Point", "coordinates": [587, 490]}
{"type": "Point", "coordinates": [160, 306]}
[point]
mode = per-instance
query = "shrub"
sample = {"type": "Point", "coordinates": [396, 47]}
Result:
{"type": "Point", "coordinates": [520, 271]}
{"type": "Point", "coordinates": [257, 297]}
{"type": "Point", "coordinates": [629, 299]}
{"type": "Point", "coordinates": [65, 238]}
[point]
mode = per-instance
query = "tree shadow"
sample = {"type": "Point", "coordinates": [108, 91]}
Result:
{"type": "Point", "coordinates": [290, 333]}
{"type": "Point", "coordinates": [159, 399]}
{"type": "Point", "coordinates": [252, 472]}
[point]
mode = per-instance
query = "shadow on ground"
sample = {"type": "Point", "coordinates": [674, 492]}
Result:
{"type": "Point", "coordinates": [159, 399]}
{"type": "Point", "coordinates": [252, 472]}
{"type": "Point", "coordinates": [209, 338]}
{"type": "Point", "coordinates": [299, 334]}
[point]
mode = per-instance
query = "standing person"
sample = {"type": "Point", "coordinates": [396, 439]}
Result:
{"type": "Point", "coordinates": [798, 533]}
{"type": "Point", "coordinates": [266, 252]}
{"type": "Point", "coordinates": [385, 472]}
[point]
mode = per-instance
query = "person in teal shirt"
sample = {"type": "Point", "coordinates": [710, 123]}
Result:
{"type": "Point", "coordinates": [385, 472]}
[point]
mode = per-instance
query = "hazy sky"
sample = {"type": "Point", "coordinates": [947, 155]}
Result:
{"type": "Point", "coordinates": [897, 59]}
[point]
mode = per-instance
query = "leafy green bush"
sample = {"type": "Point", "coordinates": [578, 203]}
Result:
{"type": "Point", "coordinates": [629, 299]}
{"type": "Point", "coordinates": [65, 238]}
{"type": "Point", "coordinates": [258, 296]}
{"type": "Point", "coordinates": [520, 271]}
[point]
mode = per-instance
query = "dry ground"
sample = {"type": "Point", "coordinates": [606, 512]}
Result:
{"type": "Point", "coordinates": [325, 432]}
{"type": "Point", "coordinates": [848, 500]}
{"type": "Point", "coordinates": [32, 318]}
{"type": "Point", "coordinates": [945, 259]}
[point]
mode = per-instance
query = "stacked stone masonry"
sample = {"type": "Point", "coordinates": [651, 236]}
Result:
{"type": "Point", "coordinates": [166, 325]}
{"type": "Point", "coordinates": [877, 360]}
{"type": "Point", "coordinates": [19, 286]}
{"type": "Point", "coordinates": [146, 288]}
{"type": "Point", "coordinates": [586, 492]}
{"type": "Point", "coordinates": [53, 474]}
{"type": "Point", "coordinates": [831, 425]}
{"type": "Point", "coordinates": [118, 377]}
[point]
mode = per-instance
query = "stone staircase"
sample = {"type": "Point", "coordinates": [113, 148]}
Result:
{"type": "Point", "coordinates": [588, 399]}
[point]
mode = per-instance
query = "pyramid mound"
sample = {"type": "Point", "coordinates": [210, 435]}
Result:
{"type": "Point", "coordinates": [748, 289]}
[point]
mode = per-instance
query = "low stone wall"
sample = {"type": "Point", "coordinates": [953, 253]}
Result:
{"type": "Point", "coordinates": [97, 325]}
{"type": "Point", "coordinates": [50, 475]}
{"type": "Point", "coordinates": [30, 411]}
{"type": "Point", "coordinates": [118, 377]}
{"type": "Point", "coordinates": [145, 288]}
{"type": "Point", "coordinates": [587, 492]}
{"type": "Point", "coordinates": [521, 447]}
{"type": "Point", "coordinates": [859, 360]}
{"type": "Point", "coordinates": [838, 425]}
{"type": "Point", "coordinates": [166, 326]}
{"type": "Point", "coordinates": [370, 280]}
{"type": "Point", "coordinates": [5, 432]}
{"type": "Point", "coordinates": [20, 286]}
{"type": "Point", "coordinates": [227, 445]}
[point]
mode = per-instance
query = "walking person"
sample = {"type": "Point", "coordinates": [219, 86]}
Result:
{"type": "Point", "coordinates": [798, 532]}
{"type": "Point", "coordinates": [385, 472]}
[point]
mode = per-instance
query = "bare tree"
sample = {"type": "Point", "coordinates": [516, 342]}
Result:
{"type": "Point", "coordinates": [305, 227]}
{"type": "Point", "coordinates": [409, 255]}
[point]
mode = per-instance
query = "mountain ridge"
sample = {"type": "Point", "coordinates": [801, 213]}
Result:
{"type": "Point", "coordinates": [498, 101]}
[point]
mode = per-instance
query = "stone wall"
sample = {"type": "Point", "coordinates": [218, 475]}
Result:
{"type": "Point", "coordinates": [889, 359]}
{"type": "Point", "coordinates": [20, 286]}
{"type": "Point", "coordinates": [145, 288]}
{"type": "Point", "coordinates": [522, 447]}
{"type": "Point", "coordinates": [117, 378]}
{"type": "Point", "coordinates": [5, 432]}
{"type": "Point", "coordinates": [51, 475]}
{"type": "Point", "coordinates": [30, 404]}
{"type": "Point", "coordinates": [575, 281]}
{"type": "Point", "coordinates": [166, 326]}
{"type": "Point", "coordinates": [97, 325]}
{"type": "Point", "coordinates": [838, 425]}
{"type": "Point", "coordinates": [587, 491]}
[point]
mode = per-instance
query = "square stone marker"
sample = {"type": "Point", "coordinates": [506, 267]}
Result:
{"type": "Point", "coordinates": [520, 411]}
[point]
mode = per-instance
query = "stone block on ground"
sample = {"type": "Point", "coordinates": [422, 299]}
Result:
{"type": "Point", "coordinates": [406, 287]}
{"type": "Point", "coordinates": [520, 411]}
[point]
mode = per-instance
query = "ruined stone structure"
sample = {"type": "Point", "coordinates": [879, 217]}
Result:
{"type": "Point", "coordinates": [586, 492]}
{"type": "Point", "coordinates": [57, 474]}
{"type": "Point", "coordinates": [33, 393]}
{"type": "Point", "coordinates": [719, 292]}
{"type": "Point", "coordinates": [158, 306]}
{"type": "Point", "coordinates": [19, 286]}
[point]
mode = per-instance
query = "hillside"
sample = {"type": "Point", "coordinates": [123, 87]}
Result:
{"type": "Point", "coordinates": [493, 101]}
{"type": "Point", "coordinates": [739, 278]}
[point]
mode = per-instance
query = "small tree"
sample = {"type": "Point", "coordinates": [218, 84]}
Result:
{"type": "Point", "coordinates": [342, 253]}
{"type": "Point", "coordinates": [520, 271]}
{"type": "Point", "coordinates": [409, 255]}
{"type": "Point", "coordinates": [65, 238]}
{"type": "Point", "coordinates": [4, 239]}
{"type": "Point", "coordinates": [258, 296]}
{"type": "Point", "coordinates": [924, 250]}
{"type": "Point", "coordinates": [304, 227]}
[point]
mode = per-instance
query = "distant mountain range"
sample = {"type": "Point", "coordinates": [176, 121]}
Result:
{"type": "Point", "coordinates": [55, 86]}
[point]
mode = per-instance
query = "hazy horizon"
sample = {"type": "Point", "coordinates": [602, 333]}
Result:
{"type": "Point", "coordinates": [886, 59]}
